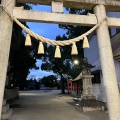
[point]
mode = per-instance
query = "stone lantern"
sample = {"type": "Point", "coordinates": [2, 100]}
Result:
{"type": "Point", "coordinates": [88, 100]}
{"type": "Point", "coordinates": [87, 79]}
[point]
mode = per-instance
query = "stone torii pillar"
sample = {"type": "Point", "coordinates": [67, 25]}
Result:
{"type": "Point", "coordinates": [5, 40]}
{"type": "Point", "coordinates": [107, 64]}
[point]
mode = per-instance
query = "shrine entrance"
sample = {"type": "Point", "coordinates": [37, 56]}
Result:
{"type": "Point", "coordinates": [99, 20]}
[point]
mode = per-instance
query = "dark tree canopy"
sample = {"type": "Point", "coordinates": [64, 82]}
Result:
{"type": "Point", "coordinates": [65, 67]}
{"type": "Point", "coordinates": [21, 58]}
{"type": "Point", "coordinates": [49, 81]}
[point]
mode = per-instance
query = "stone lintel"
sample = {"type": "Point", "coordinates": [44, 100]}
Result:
{"type": "Point", "coordinates": [47, 17]}
{"type": "Point", "coordinates": [70, 19]}
{"type": "Point", "coordinates": [57, 7]}
{"type": "Point", "coordinates": [113, 22]}
{"type": "Point", "coordinates": [111, 5]}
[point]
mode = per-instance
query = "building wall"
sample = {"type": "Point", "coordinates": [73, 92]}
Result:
{"type": "Point", "coordinates": [93, 58]}
{"type": "Point", "coordinates": [92, 53]}
{"type": "Point", "coordinates": [100, 93]}
{"type": "Point", "coordinates": [117, 69]}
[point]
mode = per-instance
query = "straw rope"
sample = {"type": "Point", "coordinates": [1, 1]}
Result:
{"type": "Point", "coordinates": [53, 42]}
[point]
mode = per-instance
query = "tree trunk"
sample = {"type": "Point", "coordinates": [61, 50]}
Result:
{"type": "Point", "coordinates": [62, 84]}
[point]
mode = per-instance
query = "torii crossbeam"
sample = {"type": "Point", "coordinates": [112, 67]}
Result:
{"type": "Point", "coordinates": [56, 16]}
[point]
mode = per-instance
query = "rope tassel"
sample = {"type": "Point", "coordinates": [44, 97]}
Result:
{"type": "Point", "coordinates": [57, 52]}
{"type": "Point", "coordinates": [41, 48]}
{"type": "Point", "coordinates": [74, 49]}
{"type": "Point", "coordinates": [28, 40]}
{"type": "Point", "coordinates": [85, 43]}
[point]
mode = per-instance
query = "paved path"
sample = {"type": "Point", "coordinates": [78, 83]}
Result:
{"type": "Point", "coordinates": [50, 105]}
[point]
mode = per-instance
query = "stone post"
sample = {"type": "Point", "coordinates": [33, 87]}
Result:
{"type": "Point", "coordinates": [5, 40]}
{"type": "Point", "coordinates": [57, 6]}
{"type": "Point", "coordinates": [107, 64]}
{"type": "Point", "coordinates": [87, 85]}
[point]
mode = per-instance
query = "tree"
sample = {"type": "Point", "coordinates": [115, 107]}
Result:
{"type": "Point", "coordinates": [64, 67]}
{"type": "Point", "coordinates": [21, 58]}
{"type": "Point", "coordinates": [58, 66]}
{"type": "Point", "coordinates": [75, 31]}
{"type": "Point", "coordinates": [49, 81]}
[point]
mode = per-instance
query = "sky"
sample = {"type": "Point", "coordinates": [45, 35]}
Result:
{"type": "Point", "coordinates": [47, 30]}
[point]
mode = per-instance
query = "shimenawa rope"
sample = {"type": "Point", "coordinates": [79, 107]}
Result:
{"type": "Point", "coordinates": [48, 41]}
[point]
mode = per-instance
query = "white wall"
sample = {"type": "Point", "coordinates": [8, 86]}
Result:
{"type": "Point", "coordinates": [92, 53]}
{"type": "Point", "coordinates": [99, 92]}
{"type": "Point", "coordinates": [117, 69]}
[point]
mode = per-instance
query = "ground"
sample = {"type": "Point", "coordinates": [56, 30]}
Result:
{"type": "Point", "coordinates": [50, 105]}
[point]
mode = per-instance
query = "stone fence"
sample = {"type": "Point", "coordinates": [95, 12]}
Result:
{"type": "Point", "coordinates": [10, 94]}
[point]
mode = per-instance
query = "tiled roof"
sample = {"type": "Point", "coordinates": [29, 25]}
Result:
{"type": "Point", "coordinates": [115, 42]}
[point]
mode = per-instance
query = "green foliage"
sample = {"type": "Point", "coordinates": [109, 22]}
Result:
{"type": "Point", "coordinates": [49, 81]}
{"type": "Point", "coordinates": [58, 66]}
{"type": "Point", "coordinates": [21, 58]}
{"type": "Point", "coordinates": [32, 84]}
{"type": "Point", "coordinates": [65, 67]}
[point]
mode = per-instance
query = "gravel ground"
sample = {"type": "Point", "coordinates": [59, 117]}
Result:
{"type": "Point", "coordinates": [50, 105]}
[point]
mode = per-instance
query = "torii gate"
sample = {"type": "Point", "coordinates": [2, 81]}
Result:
{"type": "Point", "coordinates": [99, 6]}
